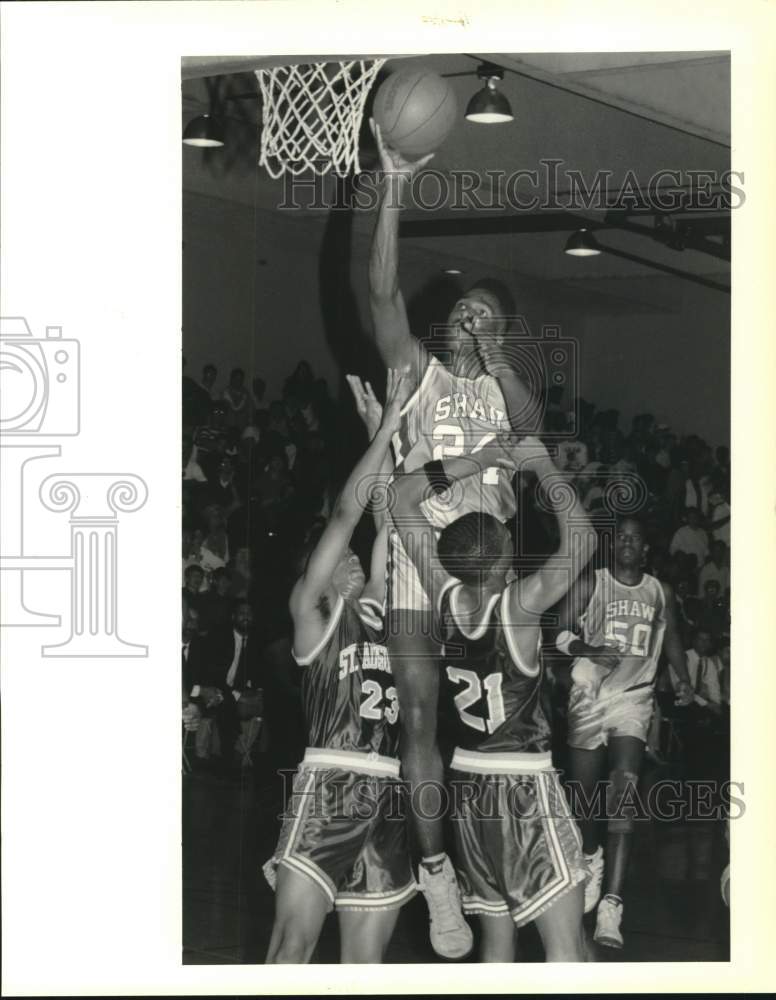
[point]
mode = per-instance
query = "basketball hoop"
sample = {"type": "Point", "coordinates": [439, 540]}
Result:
{"type": "Point", "coordinates": [312, 115]}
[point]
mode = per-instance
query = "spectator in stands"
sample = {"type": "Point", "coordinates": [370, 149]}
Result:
{"type": "Point", "coordinates": [724, 657]}
{"type": "Point", "coordinates": [211, 439]}
{"type": "Point", "coordinates": [676, 484]}
{"type": "Point", "coordinates": [217, 605]}
{"type": "Point", "coordinates": [215, 547]}
{"type": "Point", "coordinates": [191, 660]}
{"type": "Point", "coordinates": [258, 389]}
{"type": "Point", "coordinates": [691, 539]}
{"type": "Point", "coordinates": [705, 670]}
{"type": "Point", "coordinates": [683, 608]}
{"type": "Point", "coordinates": [278, 425]}
{"type": "Point", "coordinates": [193, 582]}
{"type": "Point", "coordinates": [222, 490]}
{"type": "Point", "coordinates": [702, 722]}
{"type": "Point", "coordinates": [195, 399]}
{"type": "Point", "coordinates": [665, 444]}
{"type": "Point", "coordinates": [722, 471]}
{"type": "Point", "coordinates": [191, 543]}
{"type": "Point", "coordinates": [697, 488]}
{"type": "Point", "coordinates": [275, 491]}
{"type": "Point", "coordinates": [299, 383]}
{"type": "Point", "coordinates": [230, 672]}
{"type": "Point", "coordinates": [720, 517]}
{"type": "Point", "coordinates": [192, 470]}
{"type": "Point", "coordinates": [572, 456]}
{"type": "Point", "coordinates": [208, 381]}
{"type": "Point", "coordinates": [711, 611]}
{"type": "Point", "coordinates": [311, 475]}
{"type": "Point", "coordinates": [241, 577]}
{"type": "Point", "coordinates": [238, 399]}
{"type": "Point", "coordinates": [716, 568]}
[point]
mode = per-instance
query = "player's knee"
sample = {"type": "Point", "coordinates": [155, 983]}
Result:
{"type": "Point", "coordinates": [418, 724]}
{"type": "Point", "coordinates": [293, 945]}
{"type": "Point", "coordinates": [621, 800]}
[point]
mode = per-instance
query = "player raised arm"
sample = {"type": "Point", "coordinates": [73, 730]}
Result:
{"type": "Point", "coordinates": [370, 410]}
{"type": "Point", "coordinates": [522, 405]}
{"type": "Point", "coordinates": [539, 591]}
{"type": "Point", "coordinates": [316, 583]}
{"type": "Point", "coordinates": [395, 343]}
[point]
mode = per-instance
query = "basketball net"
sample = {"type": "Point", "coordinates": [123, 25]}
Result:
{"type": "Point", "coordinates": [312, 115]}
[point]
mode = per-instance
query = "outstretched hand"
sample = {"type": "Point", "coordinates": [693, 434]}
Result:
{"type": "Point", "coordinates": [368, 405]}
{"type": "Point", "coordinates": [392, 160]}
{"type": "Point", "coordinates": [397, 390]}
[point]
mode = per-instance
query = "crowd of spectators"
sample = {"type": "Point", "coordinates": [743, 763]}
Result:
{"type": "Point", "coordinates": [258, 477]}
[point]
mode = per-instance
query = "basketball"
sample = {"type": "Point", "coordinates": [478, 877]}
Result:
{"type": "Point", "coordinates": [416, 111]}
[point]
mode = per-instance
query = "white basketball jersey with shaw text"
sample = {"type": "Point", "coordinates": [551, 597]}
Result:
{"type": "Point", "coordinates": [633, 617]}
{"type": "Point", "coordinates": [447, 416]}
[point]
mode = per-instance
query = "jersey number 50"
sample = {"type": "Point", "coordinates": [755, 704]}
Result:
{"type": "Point", "coordinates": [639, 639]}
{"type": "Point", "coordinates": [472, 693]}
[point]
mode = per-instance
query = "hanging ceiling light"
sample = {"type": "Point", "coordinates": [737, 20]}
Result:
{"type": "Point", "coordinates": [203, 131]}
{"type": "Point", "coordinates": [582, 243]}
{"type": "Point", "coordinates": [488, 106]}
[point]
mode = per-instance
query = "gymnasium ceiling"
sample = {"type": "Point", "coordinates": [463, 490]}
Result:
{"type": "Point", "coordinates": [617, 112]}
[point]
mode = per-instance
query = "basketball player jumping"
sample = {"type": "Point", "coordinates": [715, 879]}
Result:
{"type": "Point", "coordinates": [518, 849]}
{"type": "Point", "coordinates": [344, 840]}
{"type": "Point", "coordinates": [627, 617]}
{"type": "Point", "coordinates": [454, 410]}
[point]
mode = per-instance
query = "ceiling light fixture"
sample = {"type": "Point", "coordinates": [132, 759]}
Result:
{"type": "Point", "coordinates": [203, 131]}
{"type": "Point", "coordinates": [451, 270]}
{"type": "Point", "coordinates": [582, 243]}
{"type": "Point", "coordinates": [488, 106]}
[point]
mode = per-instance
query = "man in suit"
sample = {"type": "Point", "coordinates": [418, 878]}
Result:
{"type": "Point", "coordinates": [191, 657]}
{"type": "Point", "coordinates": [226, 686]}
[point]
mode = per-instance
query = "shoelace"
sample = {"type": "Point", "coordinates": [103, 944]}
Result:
{"type": "Point", "coordinates": [444, 907]}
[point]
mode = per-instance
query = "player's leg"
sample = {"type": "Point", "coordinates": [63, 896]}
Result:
{"type": "Point", "coordinates": [625, 757]}
{"type": "Point", "coordinates": [364, 936]}
{"type": "Point", "coordinates": [560, 928]}
{"type": "Point", "coordinates": [415, 670]}
{"type": "Point", "coordinates": [498, 937]}
{"type": "Point", "coordinates": [586, 771]}
{"type": "Point", "coordinates": [300, 910]}
{"type": "Point", "coordinates": [414, 666]}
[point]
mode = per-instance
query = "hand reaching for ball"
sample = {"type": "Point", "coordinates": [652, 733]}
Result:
{"type": "Point", "coordinates": [392, 161]}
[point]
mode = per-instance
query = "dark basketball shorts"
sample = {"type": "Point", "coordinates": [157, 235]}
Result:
{"type": "Point", "coordinates": [345, 829]}
{"type": "Point", "coordinates": [518, 849]}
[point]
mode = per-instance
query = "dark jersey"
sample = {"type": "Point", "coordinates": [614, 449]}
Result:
{"type": "Point", "coordinates": [348, 695]}
{"type": "Point", "coordinates": [496, 696]}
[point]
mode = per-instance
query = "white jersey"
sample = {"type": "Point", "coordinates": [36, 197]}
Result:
{"type": "Point", "coordinates": [634, 618]}
{"type": "Point", "coordinates": [448, 415]}
{"type": "Point", "coordinates": [451, 415]}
